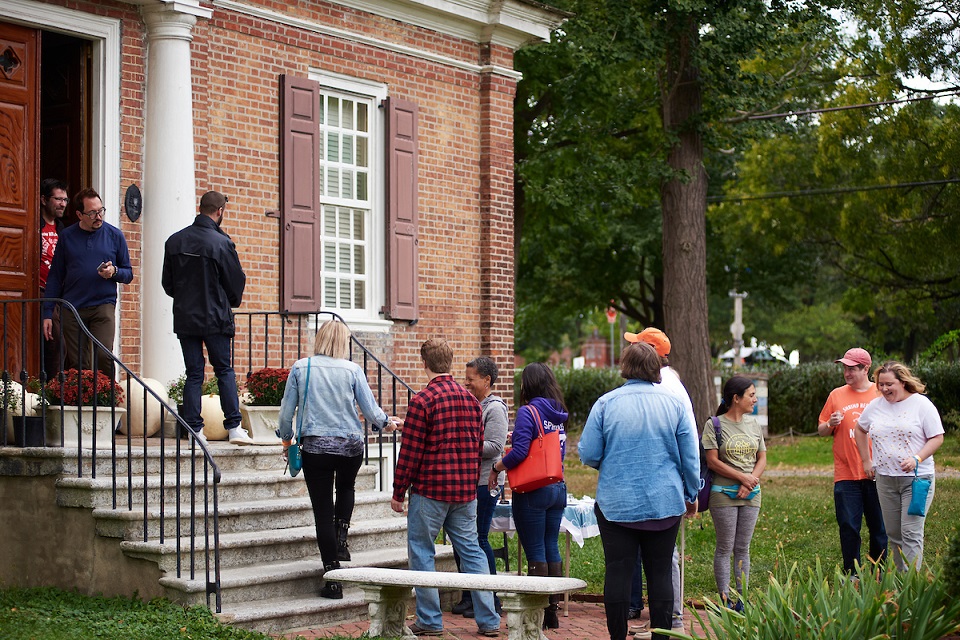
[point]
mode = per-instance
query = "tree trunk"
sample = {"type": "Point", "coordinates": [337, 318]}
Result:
{"type": "Point", "coordinates": [683, 201]}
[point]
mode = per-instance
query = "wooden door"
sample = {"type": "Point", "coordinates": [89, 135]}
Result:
{"type": "Point", "coordinates": [19, 207]}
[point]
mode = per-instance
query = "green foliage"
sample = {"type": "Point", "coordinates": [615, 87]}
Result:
{"type": "Point", "coordinates": [580, 387]}
{"type": "Point", "coordinates": [175, 388]}
{"type": "Point", "coordinates": [52, 614]}
{"type": "Point", "coordinates": [951, 566]}
{"type": "Point", "coordinates": [819, 602]}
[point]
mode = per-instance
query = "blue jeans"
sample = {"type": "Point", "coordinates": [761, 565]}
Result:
{"type": "Point", "coordinates": [425, 518]}
{"type": "Point", "coordinates": [218, 348]}
{"type": "Point", "coordinates": [537, 516]}
{"type": "Point", "coordinates": [485, 507]}
{"type": "Point", "coordinates": [855, 500]}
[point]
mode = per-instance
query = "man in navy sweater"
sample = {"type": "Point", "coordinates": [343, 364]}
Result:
{"type": "Point", "coordinates": [90, 260]}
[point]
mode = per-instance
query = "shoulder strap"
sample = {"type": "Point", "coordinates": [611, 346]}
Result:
{"type": "Point", "coordinates": [716, 428]}
{"type": "Point", "coordinates": [303, 405]}
{"type": "Point", "coordinates": [536, 418]}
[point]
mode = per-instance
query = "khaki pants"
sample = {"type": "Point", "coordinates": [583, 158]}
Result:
{"type": "Point", "coordinates": [100, 321]}
{"type": "Point", "coordinates": [904, 531]}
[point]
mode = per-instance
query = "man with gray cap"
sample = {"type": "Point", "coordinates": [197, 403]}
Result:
{"type": "Point", "coordinates": [854, 494]}
{"type": "Point", "coordinates": [202, 273]}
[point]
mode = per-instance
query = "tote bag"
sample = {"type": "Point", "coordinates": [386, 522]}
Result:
{"type": "Point", "coordinates": [543, 465]}
{"type": "Point", "coordinates": [918, 499]}
{"type": "Point", "coordinates": [706, 475]}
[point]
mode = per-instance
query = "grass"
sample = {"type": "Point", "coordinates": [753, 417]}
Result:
{"type": "Point", "coordinates": [797, 516]}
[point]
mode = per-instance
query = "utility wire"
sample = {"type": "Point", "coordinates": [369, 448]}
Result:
{"type": "Point", "coordinates": [770, 116]}
{"type": "Point", "coordinates": [818, 192]}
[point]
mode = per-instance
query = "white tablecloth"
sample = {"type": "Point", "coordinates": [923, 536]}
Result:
{"type": "Point", "coordinates": [579, 520]}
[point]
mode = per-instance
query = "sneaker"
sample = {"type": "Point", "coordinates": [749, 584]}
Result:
{"type": "Point", "coordinates": [198, 435]}
{"type": "Point", "coordinates": [460, 607]}
{"type": "Point", "coordinates": [417, 630]}
{"type": "Point", "coordinates": [640, 630]}
{"type": "Point", "coordinates": [633, 614]}
{"type": "Point", "coordinates": [643, 634]}
{"type": "Point", "coordinates": [238, 435]}
{"type": "Point", "coordinates": [490, 633]}
{"type": "Point", "coordinates": [468, 612]}
{"type": "Point", "coordinates": [677, 622]}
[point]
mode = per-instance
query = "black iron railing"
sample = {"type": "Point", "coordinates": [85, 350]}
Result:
{"type": "Point", "coordinates": [195, 508]}
{"type": "Point", "coordinates": [278, 339]}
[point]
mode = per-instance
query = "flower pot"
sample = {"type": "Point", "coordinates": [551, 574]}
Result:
{"type": "Point", "coordinates": [261, 422]}
{"type": "Point", "coordinates": [80, 420]}
{"type": "Point", "coordinates": [27, 431]}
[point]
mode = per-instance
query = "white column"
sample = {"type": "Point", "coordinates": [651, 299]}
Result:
{"type": "Point", "coordinates": [169, 184]}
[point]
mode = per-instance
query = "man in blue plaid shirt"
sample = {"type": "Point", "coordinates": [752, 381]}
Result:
{"type": "Point", "coordinates": [439, 461]}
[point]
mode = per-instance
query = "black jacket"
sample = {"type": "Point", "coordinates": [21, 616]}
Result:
{"type": "Point", "coordinates": [202, 273]}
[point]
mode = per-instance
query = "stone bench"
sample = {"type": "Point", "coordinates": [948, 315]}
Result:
{"type": "Point", "coordinates": [387, 592]}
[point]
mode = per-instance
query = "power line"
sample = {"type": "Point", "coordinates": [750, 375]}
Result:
{"type": "Point", "coordinates": [770, 116]}
{"type": "Point", "coordinates": [819, 192]}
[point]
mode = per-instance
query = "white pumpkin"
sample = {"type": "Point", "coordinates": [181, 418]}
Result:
{"type": "Point", "coordinates": [212, 416]}
{"type": "Point", "coordinates": [135, 409]}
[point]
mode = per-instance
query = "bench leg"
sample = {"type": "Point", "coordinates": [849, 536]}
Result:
{"type": "Point", "coordinates": [387, 607]}
{"type": "Point", "coordinates": [524, 615]}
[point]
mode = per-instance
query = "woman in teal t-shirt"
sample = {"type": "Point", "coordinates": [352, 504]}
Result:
{"type": "Point", "coordinates": [737, 465]}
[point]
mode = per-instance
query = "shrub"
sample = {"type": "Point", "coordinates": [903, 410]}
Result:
{"type": "Point", "coordinates": [10, 398]}
{"type": "Point", "coordinates": [175, 389]}
{"type": "Point", "coordinates": [266, 386]}
{"type": "Point", "coordinates": [951, 566]}
{"type": "Point", "coordinates": [580, 387]}
{"type": "Point", "coordinates": [886, 603]}
{"type": "Point", "coordinates": [84, 387]}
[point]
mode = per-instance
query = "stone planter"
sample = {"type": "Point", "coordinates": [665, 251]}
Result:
{"type": "Point", "coordinates": [261, 423]}
{"type": "Point", "coordinates": [71, 417]}
{"type": "Point", "coordinates": [27, 431]}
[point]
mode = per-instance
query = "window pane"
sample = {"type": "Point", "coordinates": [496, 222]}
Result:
{"type": "Point", "coordinates": [358, 262]}
{"type": "Point", "coordinates": [362, 186]}
{"type": "Point", "coordinates": [344, 258]}
{"type": "Point", "coordinates": [345, 294]}
{"type": "Point", "coordinates": [347, 114]}
{"type": "Point", "coordinates": [343, 216]}
{"type": "Point", "coordinates": [333, 111]}
{"type": "Point", "coordinates": [333, 183]}
{"type": "Point", "coordinates": [329, 292]}
{"type": "Point", "coordinates": [359, 295]}
{"type": "Point", "coordinates": [329, 256]}
{"type": "Point", "coordinates": [333, 147]}
{"type": "Point", "coordinates": [362, 152]}
{"type": "Point", "coordinates": [362, 117]}
{"type": "Point", "coordinates": [346, 183]}
{"type": "Point", "coordinates": [358, 226]}
{"type": "Point", "coordinates": [329, 221]}
{"type": "Point", "coordinates": [346, 154]}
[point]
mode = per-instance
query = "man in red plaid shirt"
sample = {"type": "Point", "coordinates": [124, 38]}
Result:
{"type": "Point", "coordinates": [439, 462]}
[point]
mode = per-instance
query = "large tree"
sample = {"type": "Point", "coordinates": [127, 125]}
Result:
{"type": "Point", "coordinates": [615, 120]}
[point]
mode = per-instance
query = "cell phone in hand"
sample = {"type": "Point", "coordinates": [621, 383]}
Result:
{"type": "Point", "coordinates": [102, 265]}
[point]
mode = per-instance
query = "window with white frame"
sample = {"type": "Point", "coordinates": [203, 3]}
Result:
{"type": "Point", "coordinates": [351, 216]}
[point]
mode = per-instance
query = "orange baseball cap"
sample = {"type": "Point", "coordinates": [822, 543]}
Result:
{"type": "Point", "coordinates": [653, 337]}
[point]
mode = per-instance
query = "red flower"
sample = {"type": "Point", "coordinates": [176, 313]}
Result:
{"type": "Point", "coordinates": [266, 386]}
{"type": "Point", "coordinates": [84, 388]}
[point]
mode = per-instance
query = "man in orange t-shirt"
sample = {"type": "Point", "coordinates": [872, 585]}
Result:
{"type": "Point", "coordinates": [854, 494]}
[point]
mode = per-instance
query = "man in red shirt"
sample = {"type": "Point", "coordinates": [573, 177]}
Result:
{"type": "Point", "coordinates": [53, 204]}
{"type": "Point", "coordinates": [439, 462]}
{"type": "Point", "coordinates": [854, 494]}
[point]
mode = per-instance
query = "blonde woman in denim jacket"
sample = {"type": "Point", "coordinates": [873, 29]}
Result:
{"type": "Point", "coordinates": [331, 435]}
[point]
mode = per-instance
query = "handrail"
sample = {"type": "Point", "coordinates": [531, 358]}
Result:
{"type": "Point", "coordinates": [206, 485]}
{"type": "Point", "coordinates": [295, 341]}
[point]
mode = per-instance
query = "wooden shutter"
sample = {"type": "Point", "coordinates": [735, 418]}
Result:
{"type": "Point", "coordinates": [299, 194]}
{"type": "Point", "coordinates": [401, 241]}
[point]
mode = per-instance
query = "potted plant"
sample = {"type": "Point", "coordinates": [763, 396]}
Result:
{"type": "Point", "coordinates": [260, 406]}
{"type": "Point", "coordinates": [83, 404]}
{"type": "Point", "coordinates": [209, 406]}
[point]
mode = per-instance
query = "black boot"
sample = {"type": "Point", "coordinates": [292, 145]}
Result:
{"type": "Point", "coordinates": [331, 589]}
{"type": "Point", "coordinates": [550, 619]}
{"type": "Point", "coordinates": [540, 569]}
{"type": "Point", "coordinates": [343, 551]}
{"type": "Point", "coordinates": [465, 604]}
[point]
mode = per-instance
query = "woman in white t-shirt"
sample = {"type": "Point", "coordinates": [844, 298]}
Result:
{"type": "Point", "coordinates": [906, 430]}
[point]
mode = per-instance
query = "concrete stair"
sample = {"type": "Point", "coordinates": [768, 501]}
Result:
{"type": "Point", "coordinates": [270, 567]}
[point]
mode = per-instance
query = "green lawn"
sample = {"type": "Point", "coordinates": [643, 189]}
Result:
{"type": "Point", "coordinates": [797, 516]}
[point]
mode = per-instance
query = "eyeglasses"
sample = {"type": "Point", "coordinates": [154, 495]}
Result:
{"type": "Point", "coordinates": [95, 213]}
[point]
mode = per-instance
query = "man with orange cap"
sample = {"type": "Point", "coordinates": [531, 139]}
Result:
{"type": "Point", "coordinates": [671, 382]}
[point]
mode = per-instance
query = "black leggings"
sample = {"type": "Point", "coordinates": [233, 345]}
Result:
{"type": "Point", "coordinates": [322, 471]}
{"type": "Point", "coordinates": [620, 547]}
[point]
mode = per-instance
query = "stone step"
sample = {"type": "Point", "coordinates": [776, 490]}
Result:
{"type": "Point", "coordinates": [233, 487]}
{"type": "Point", "coordinates": [275, 513]}
{"type": "Point", "coordinates": [256, 547]}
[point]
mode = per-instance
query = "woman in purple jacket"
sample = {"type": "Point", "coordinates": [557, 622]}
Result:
{"type": "Point", "coordinates": [537, 513]}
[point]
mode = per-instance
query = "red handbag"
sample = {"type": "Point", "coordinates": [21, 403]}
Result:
{"type": "Point", "coordinates": [543, 465]}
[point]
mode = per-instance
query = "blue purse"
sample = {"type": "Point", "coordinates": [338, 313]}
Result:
{"type": "Point", "coordinates": [918, 501]}
{"type": "Point", "coordinates": [295, 451]}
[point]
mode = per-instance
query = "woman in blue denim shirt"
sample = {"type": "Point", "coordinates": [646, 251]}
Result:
{"type": "Point", "coordinates": [537, 513]}
{"type": "Point", "coordinates": [644, 443]}
{"type": "Point", "coordinates": [331, 435]}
